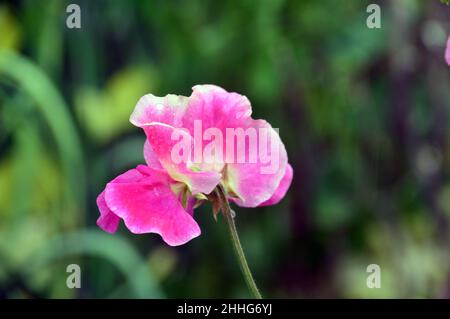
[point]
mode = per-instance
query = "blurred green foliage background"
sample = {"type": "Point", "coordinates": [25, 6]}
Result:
{"type": "Point", "coordinates": [363, 112]}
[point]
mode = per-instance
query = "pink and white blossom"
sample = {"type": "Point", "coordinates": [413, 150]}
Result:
{"type": "Point", "coordinates": [159, 197]}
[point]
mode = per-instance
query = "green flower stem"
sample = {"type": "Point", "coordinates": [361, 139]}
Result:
{"type": "Point", "coordinates": [226, 210]}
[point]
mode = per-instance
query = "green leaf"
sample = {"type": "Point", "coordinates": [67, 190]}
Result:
{"type": "Point", "coordinates": [115, 249]}
{"type": "Point", "coordinates": [54, 110]}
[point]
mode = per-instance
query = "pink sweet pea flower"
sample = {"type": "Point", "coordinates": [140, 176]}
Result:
{"type": "Point", "coordinates": [147, 201]}
{"type": "Point", "coordinates": [160, 197]}
{"type": "Point", "coordinates": [447, 52]}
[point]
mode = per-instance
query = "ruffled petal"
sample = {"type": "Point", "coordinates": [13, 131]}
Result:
{"type": "Point", "coordinates": [216, 108]}
{"type": "Point", "coordinates": [177, 160]}
{"type": "Point", "coordinates": [142, 197]}
{"type": "Point", "coordinates": [168, 109]}
{"type": "Point", "coordinates": [150, 157]}
{"type": "Point", "coordinates": [282, 188]}
{"type": "Point", "coordinates": [255, 181]}
{"type": "Point", "coordinates": [108, 221]}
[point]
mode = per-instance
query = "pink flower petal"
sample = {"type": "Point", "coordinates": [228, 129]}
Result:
{"type": "Point", "coordinates": [282, 188]}
{"type": "Point", "coordinates": [142, 197]}
{"type": "Point", "coordinates": [447, 52]}
{"type": "Point", "coordinates": [190, 205]}
{"type": "Point", "coordinates": [108, 221]}
{"type": "Point", "coordinates": [160, 138]}
{"type": "Point", "coordinates": [255, 183]}
{"type": "Point", "coordinates": [152, 109]}
{"type": "Point", "coordinates": [150, 157]}
{"type": "Point", "coordinates": [216, 108]}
